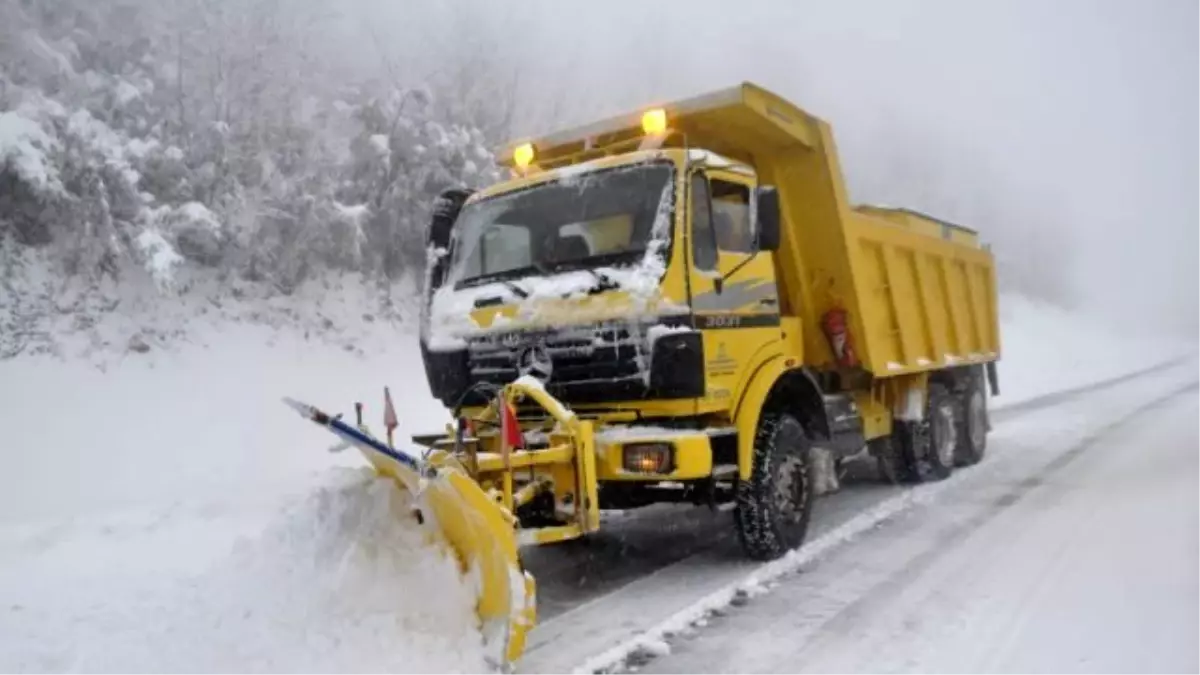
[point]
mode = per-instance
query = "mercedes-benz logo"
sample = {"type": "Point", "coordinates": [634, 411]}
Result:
{"type": "Point", "coordinates": [535, 361]}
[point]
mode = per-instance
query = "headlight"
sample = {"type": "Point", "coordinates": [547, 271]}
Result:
{"type": "Point", "coordinates": [648, 458]}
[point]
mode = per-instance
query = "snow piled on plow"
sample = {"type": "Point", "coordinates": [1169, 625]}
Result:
{"type": "Point", "coordinates": [343, 581]}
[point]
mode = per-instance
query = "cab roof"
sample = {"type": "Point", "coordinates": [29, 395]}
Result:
{"type": "Point", "coordinates": [702, 158]}
{"type": "Point", "coordinates": [740, 122]}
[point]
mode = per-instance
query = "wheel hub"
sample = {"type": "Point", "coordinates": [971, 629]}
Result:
{"type": "Point", "coordinates": [787, 496]}
{"type": "Point", "coordinates": [975, 413]}
{"type": "Point", "coordinates": [946, 434]}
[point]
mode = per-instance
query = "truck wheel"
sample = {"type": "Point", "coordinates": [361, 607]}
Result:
{"type": "Point", "coordinates": [890, 463]}
{"type": "Point", "coordinates": [774, 505]}
{"type": "Point", "coordinates": [929, 446]}
{"type": "Point", "coordinates": [972, 426]}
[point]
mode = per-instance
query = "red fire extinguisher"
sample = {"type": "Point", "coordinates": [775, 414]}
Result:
{"type": "Point", "coordinates": [836, 324]}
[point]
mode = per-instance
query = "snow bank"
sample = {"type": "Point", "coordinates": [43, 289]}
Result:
{"type": "Point", "coordinates": [199, 421]}
{"type": "Point", "coordinates": [345, 581]}
{"type": "Point", "coordinates": [129, 481]}
{"type": "Point", "coordinates": [1046, 349]}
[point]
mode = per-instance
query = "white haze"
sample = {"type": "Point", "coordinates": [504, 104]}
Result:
{"type": "Point", "coordinates": [1071, 124]}
{"type": "Point", "coordinates": [1065, 132]}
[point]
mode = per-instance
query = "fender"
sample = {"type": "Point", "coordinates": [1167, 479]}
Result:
{"type": "Point", "coordinates": [804, 399]}
{"type": "Point", "coordinates": [750, 406]}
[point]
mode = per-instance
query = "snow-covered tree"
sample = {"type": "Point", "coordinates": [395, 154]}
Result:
{"type": "Point", "coordinates": [208, 135]}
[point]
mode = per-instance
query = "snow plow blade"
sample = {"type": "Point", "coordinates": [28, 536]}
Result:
{"type": "Point", "coordinates": [454, 510]}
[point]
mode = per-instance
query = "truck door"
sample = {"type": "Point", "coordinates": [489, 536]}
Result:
{"type": "Point", "coordinates": [734, 298]}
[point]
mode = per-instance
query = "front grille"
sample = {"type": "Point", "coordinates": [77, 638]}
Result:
{"type": "Point", "coordinates": [589, 363]}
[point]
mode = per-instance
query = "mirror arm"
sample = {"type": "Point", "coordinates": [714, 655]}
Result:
{"type": "Point", "coordinates": [737, 268]}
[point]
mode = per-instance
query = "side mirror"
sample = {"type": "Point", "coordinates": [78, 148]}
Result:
{"type": "Point", "coordinates": [445, 211]}
{"type": "Point", "coordinates": [441, 225]}
{"type": "Point", "coordinates": [766, 199]}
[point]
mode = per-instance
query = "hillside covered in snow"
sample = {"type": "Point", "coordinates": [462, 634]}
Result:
{"type": "Point", "coordinates": [154, 156]}
{"type": "Point", "coordinates": [164, 161]}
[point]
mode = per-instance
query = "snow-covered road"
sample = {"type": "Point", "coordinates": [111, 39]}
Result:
{"type": "Point", "coordinates": [221, 536]}
{"type": "Point", "coordinates": [1062, 557]}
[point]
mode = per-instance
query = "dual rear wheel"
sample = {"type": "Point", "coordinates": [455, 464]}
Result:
{"type": "Point", "coordinates": [953, 434]}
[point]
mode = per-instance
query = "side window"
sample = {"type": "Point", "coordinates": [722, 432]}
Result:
{"type": "Point", "coordinates": [704, 248]}
{"type": "Point", "coordinates": [731, 217]}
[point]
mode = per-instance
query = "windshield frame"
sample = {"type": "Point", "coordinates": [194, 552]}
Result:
{"type": "Point", "coordinates": [593, 262]}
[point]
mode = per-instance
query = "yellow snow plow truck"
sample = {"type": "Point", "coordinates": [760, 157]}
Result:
{"type": "Point", "coordinates": [680, 305]}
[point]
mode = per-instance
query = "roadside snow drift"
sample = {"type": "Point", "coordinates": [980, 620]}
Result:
{"type": "Point", "coordinates": [1047, 349]}
{"type": "Point", "coordinates": [344, 581]}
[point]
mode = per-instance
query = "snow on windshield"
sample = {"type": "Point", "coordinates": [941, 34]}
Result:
{"type": "Point", "coordinates": [604, 216]}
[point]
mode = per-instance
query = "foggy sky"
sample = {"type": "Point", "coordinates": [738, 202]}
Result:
{"type": "Point", "coordinates": [1077, 118]}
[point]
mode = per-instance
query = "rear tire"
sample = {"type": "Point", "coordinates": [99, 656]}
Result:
{"type": "Point", "coordinates": [889, 461]}
{"type": "Point", "coordinates": [774, 505]}
{"type": "Point", "coordinates": [972, 425]}
{"type": "Point", "coordinates": [928, 446]}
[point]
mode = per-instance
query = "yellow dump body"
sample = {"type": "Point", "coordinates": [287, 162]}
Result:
{"type": "Point", "coordinates": [925, 292]}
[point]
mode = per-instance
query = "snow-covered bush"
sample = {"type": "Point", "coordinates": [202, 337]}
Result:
{"type": "Point", "coordinates": [139, 137]}
{"type": "Point", "coordinates": [30, 186]}
{"type": "Point", "coordinates": [69, 184]}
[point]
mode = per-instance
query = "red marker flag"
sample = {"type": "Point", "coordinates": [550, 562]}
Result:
{"type": "Point", "coordinates": [510, 429]}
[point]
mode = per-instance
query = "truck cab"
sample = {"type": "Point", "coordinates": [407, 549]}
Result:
{"type": "Point", "coordinates": [638, 282]}
{"type": "Point", "coordinates": [690, 308]}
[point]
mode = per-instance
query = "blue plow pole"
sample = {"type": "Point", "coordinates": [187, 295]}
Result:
{"type": "Point", "coordinates": [352, 435]}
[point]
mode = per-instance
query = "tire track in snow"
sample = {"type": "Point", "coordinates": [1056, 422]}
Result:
{"type": "Point", "coordinates": [1004, 597]}
{"type": "Point", "coordinates": [1004, 412]}
{"type": "Point", "coordinates": [590, 635]}
{"type": "Point", "coordinates": [946, 541]}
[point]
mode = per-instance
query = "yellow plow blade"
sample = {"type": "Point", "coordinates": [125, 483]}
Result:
{"type": "Point", "coordinates": [481, 533]}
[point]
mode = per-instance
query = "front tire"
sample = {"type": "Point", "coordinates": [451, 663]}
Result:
{"type": "Point", "coordinates": [774, 505]}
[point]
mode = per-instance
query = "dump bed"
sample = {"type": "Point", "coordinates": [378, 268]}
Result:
{"type": "Point", "coordinates": [925, 291]}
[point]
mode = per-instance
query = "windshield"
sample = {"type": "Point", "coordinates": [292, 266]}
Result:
{"type": "Point", "coordinates": [602, 217]}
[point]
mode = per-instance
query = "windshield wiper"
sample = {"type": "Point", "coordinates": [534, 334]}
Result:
{"type": "Point", "coordinates": [603, 281]}
{"type": "Point", "coordinates": [521, 292]}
